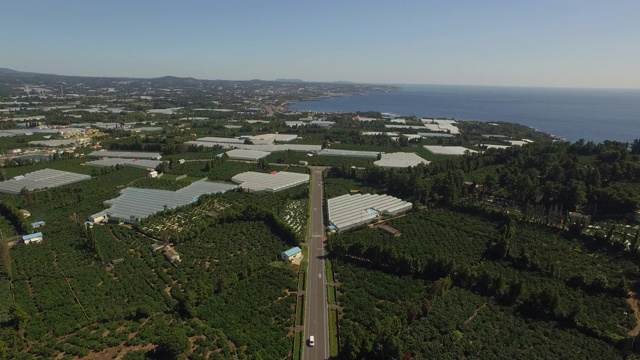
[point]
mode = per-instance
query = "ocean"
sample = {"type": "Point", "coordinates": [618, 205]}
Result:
{"type": "Point", "coordinates": [572, 114]}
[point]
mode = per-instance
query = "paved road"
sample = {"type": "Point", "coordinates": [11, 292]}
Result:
{"type": "Point", "coordinates": [316, 322]}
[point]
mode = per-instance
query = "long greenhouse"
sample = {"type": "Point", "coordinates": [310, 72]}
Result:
{"type": "Point", "coordinates": [41, 179]}
{"type": "Point", "coordinates": [350, 211]}
{"type": "Point", "coordinates": [252, 181]}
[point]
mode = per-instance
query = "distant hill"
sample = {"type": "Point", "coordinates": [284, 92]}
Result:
{"type": "Point", "coordinates": [173, 78]}
{"type": "Point", "coordinates": [289, 80]}
{"type": "Point", "coordinates": [8, 71]}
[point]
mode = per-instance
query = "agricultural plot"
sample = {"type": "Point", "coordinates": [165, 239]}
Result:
{"type": "Point", "coordinates": [188, 221]}
{"type": "Point", "coordinates": [521, 278]}
{"type": "Point", "coordinates": [79, 301]}
{"type": "Point", "coordinates": [255, 301]}
{"type": "Point", "coordinates": [413, 318]}
{"type": "Point", "coordinates": [296, 214]}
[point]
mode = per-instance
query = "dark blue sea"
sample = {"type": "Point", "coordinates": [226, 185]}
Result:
{"type": "Point", "coordinates": [590, 114]}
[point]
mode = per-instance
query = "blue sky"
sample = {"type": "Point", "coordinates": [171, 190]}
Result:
{"type": "Point", "coordinates": [475, 42]}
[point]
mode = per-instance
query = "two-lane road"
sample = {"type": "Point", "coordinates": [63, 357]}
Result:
{"type": "Point", "coordinates": [316, 322]}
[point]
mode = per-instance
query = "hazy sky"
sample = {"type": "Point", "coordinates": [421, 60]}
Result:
{"type": "Point", "coordinates": [578, 43]}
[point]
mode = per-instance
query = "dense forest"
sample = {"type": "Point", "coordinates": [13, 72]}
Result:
{"type": "Point", "coordinates": [515, 276]}
{"type": "Point", "coordinates": [602, 180]}
{"type": "Point", "coordinates": [496, 265]}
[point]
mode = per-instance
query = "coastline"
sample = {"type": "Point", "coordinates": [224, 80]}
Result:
{"type": "Point", "coordinates": [561, 114]}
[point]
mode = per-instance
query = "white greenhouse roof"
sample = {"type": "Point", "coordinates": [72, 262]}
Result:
{"type": "Point", "coordinates": [41, 179]}
{"type": "Point", "coordinates": [441, 125]}
{"type": "Point", "coordinates": [168, 111]}
{"type": "Point", "coordinates": [267, 148]}
{"type": "Point", "coordinates": [349, 211]}
{"type": "Point", "coordinates": [248, 155]}
{"type": "Point", "coordinates": [252, 181]}
{"type": "Point", "coordinates": [215, 139]}
{"type": "Point", "coordinates": [447, 150]}
{"type": "Point", "coordinates": [400, 160]}
{"type": "Point", "coordinates": [139, 163]}
{"type": "Point", "coordinates": [394, 126]}
{"type": "Point", "coordinates": [126, 154]}
{"type": "Point", "coordinates": [350, 153]}
{"type": "Point", "coordinates": [374, 133]}
{"type": "Point", "coordinates": [141, 203]}
{"type": "Point", "coordinates": [491, 146]}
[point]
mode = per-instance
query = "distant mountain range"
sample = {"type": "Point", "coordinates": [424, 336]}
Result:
{"type": "Point", "coordinates": [8, 71]}
{"type": "Point", "coordinates": [289, 80]}
{"type": "Point", "coordinates": [163, 79]}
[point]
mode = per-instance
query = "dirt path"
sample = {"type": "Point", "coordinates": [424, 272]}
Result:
{"type": "Point", "coordinates": [632, 300]}
{"type": "Point", "coordinates": [475, 313]}
{"type": "Point", "coordinates": [118, 352]}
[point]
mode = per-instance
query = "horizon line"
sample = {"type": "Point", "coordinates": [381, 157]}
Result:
{"type": "Point", "coordinates": [296, 80]}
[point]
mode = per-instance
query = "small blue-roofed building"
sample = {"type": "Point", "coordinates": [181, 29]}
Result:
{"type": "Point", "coordinates": [220, 155]}
{"type": "Point", "coordinates": [32, 238]}
{"type": "Point", "coordinates": [292, 254]}
{"type": "Point", "coordinates": [37, 224]}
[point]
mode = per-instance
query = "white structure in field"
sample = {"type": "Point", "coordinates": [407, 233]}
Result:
{"type": "Point", "coordinates": [252, 181]}
{"type": "Point", "coordinates": [440, 125]}
{"type": "Point", "coordinates": [126, 154]}
{"type": "Point", "coordinates": [136, 203]}
{"type": "Point", "coordinates": [292, 254]}
{"type": "Point", "coordinates": [138, 163]}
{"type": "Point", "coordinates": [400, 160]}
{"type": "Point", "coordinates": [350, 211]}
{"type": "Point", "coordinates": [41, 179]}
{"type": "Point", "coordinates": [247, 155]}
{"type": "Point", "coordinates": [349, 153]}
{"type": "Point", "coordinates": [447, 150]}
{"type": "Point", "coordinates": [32, 238]}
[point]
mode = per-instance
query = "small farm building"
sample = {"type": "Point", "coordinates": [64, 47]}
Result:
{"type": "Point", "coordinates": [172, 255]}
{"type": "Point", "coordinates": [291, 254]}
{"type": "Point", "coordinates": [32, 238]}
{"type": "Point", "coordinates": [37, 224]}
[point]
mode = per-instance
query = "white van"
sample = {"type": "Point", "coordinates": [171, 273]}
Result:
{"type": "Point", "coordinates": [312, 341]}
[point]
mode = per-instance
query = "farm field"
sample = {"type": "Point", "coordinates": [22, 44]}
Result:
{"type": "Point", "coordinates": [420, 291]}
{"type": "Point", "coordinates": [104, 290]}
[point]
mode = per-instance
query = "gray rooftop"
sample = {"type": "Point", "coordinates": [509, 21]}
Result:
{"type": "Point", "coordinates": [248, 155]}
{"type": "Point", "coordinates": [139, 163]}
{"type": "Point", "coordinates": [349, 211]}
{"type": "Point", "coordinates": [126, 154]}
{"type": "Point", "coordinates": [447, 150]}
{"type": "Point", "coordinates": [400, 160]}
{"type": "Point", "coordinates": [267, 148]}
{"type": "Point", "coordinates": [350, 153]}
{"type": "Point", "coordinates": [252, 181]}
{"type": "Point", "coordinates": [41, 179]}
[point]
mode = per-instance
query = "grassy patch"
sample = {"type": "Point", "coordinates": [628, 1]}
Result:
{"type": "Point", "coordinates": [333, 333]}
{"type": "Point", "coordinates": [298, 345]}
{"type": "Point", "coordinates": [300, 310]}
